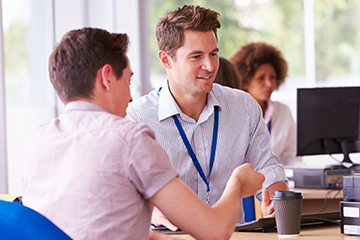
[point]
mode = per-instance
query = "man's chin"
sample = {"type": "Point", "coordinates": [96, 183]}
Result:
{"type": "Point", "coordinates": [207, 88]}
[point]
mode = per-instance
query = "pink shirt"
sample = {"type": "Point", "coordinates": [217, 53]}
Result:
{"type": "Point", "coordinates": [92, 173]}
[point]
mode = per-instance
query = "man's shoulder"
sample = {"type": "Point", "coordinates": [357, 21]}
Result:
{"type": "Point", "coordinates": [228, 91]}
{"type": "Point", "coordinates": [123, 127]}
{"type": "Point", "coordinates": [228, 94]}
{"type": "Point", "coordinates": [147, 100]}
{"type": "Point", "coordinates": [88, 121]}
{"type": "Point", "coordinates": [144, 107]}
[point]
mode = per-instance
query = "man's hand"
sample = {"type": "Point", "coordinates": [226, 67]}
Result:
{"type": "Point", "coordinates": [267, 204]}
{"type": "Point", "coordinates": [248, 179]}
{"type": "Point", "coordinates": [159, 219]}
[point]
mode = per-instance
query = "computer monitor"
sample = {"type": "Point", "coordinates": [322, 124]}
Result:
{"type": "Point", "coordinates": [328, 121]}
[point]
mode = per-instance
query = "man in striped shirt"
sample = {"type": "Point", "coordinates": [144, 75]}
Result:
{"type": "Point", "coordinates": [206, 129]}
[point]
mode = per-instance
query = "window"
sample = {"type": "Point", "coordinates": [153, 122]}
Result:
{"type": "Point", "coordinates": [337, 42]}
{"type": "Point", "coordinates": [319, 39]}
{"type": "Point", "coordinates": [322, 49]}
{"type": "Point", "coordinates": [280, 23]}
{"type": "Point", "coordinates": [30, 98]}
{"type": "Point", "coordinates": [30, 30]}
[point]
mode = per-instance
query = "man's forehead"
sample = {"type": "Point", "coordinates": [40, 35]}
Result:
{"type": "Point", "coordinates": [195, 41]}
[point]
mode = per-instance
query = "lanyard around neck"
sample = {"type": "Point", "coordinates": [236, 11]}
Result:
{"type": "Point", "coordinates": [192, 154]}
{"type": "Point", "coordinates": [269, 126]}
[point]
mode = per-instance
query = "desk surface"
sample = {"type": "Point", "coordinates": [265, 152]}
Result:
{"type": "Point", "coordinates": [319, 193]}
{"type": "Point", "coordinates": [7, 197]}
{"type": "Point", "coordinates": [314, 200]}
{"type": "Point", "coordinates": [330, 232]}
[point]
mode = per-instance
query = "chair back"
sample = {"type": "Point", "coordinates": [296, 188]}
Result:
{"type": "Point", "coordinates": [20, 222]}
{"type": "Point", "coordinates": [249, 208]}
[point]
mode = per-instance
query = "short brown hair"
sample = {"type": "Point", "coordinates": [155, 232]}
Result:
{"type": "Point", "coordinates": [227, 75]}
{"type": "Point", "coordinates": [251, 56]}
{"type": "Point", "coordinates": [74, 62]}
{"type": "Point", "coordinates": [170, 29]}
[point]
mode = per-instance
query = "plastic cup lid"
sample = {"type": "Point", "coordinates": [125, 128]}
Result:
{"type": "Point", "coordinates": [286, 194]}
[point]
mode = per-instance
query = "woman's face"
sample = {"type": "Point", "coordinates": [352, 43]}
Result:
{"type": "Point", "coordinates": [263, 83]}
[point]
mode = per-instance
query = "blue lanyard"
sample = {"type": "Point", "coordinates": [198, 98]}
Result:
{"type": "Point", "coordinates": [192, 154]}
{"type": "Point", "coordinates": [269, 127]}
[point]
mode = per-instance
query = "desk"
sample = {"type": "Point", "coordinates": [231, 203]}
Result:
{"type": "Point", "coordinates": [7, 197]}
{"type": "Point", "coordinates": [330, 232]}
{"type": "Point", "coordinates": [314, 199]}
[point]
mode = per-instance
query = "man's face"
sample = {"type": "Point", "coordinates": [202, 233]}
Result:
{"type": "Point", "coordinates": [121, 94]}
{"type": "Point", "coordinates": [195, 65]}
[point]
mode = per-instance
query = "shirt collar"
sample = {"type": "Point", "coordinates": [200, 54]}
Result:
{"type": "Point", "coordinates": [83, 106]}
{"type": "Point", "coordinates": [168, 106]}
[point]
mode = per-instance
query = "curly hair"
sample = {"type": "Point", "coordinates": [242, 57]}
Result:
{"type": "Point", "coordinates": [251, 56]}
{"type": "Point", "coordinates": [170, 29]}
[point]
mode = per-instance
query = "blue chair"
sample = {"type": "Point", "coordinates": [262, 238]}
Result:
{"type": "Point", "coordinates": [20, 222]}
{"type": "Point", "coordinates": [249, 208]}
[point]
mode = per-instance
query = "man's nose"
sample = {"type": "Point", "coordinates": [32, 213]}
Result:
{"type": "Point", "coordinates": [209, 64]}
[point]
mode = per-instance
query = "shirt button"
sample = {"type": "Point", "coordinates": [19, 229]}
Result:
{"type": "Point", "coordinates": [199, 151]}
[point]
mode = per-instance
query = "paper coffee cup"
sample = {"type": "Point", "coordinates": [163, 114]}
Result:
{"type": "Point", "coordinates": [287, 205]}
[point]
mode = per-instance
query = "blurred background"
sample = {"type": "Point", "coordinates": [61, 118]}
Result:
{"type": "Point", "coordinates": [320, 40]}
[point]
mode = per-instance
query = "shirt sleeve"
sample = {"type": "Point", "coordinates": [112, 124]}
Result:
{"type": "Point", "coordinates": [149, 167]}
{"type": "Point", "coordinates": [259, 152]}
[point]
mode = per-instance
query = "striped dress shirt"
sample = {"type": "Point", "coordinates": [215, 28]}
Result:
{"type": "Point", "coordinates": [242, 137]}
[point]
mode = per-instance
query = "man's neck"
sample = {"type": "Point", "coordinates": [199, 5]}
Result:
{"type": "Point", "coordinates": [191, 105]}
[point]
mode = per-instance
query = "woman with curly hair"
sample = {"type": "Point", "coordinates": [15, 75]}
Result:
{"type": "Point", "coordinates": [262, 69]}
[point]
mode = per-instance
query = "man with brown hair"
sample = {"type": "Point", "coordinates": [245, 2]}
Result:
{"type": "Point", "coordinates": [97, 175]}
{"type": "Point", "coordinates": [207, 129]}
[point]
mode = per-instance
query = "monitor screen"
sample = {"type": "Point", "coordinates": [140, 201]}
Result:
{"type": "Point", "coordinates": [328, 121]}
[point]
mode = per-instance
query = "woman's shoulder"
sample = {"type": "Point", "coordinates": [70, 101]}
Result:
{"type": "Point", "coordinates": [281, 109]}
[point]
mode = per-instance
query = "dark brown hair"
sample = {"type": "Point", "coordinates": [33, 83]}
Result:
{"type": "Point", "coordinates": [227, 74]}
{"type": "Point", "coordinates": [251, 56]}
{"type": "Point", "coordinates": [74, 62]}
{"type": "Point", "coordinates": [170, 29]}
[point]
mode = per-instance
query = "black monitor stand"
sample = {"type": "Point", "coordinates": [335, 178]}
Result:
{"type": "Point", "coordinates": [346, 162]}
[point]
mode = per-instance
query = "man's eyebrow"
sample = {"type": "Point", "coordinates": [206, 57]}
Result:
{"type": "Point", "coordinates": [195, 52]}
{"type": "Point", "coordinates": [200, 52]}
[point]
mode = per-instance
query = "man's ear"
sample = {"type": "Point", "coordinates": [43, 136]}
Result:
{"type": "Point", "coordinates": [165, 59]}
{"type": "Point", "coordinates": [106, 76]}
